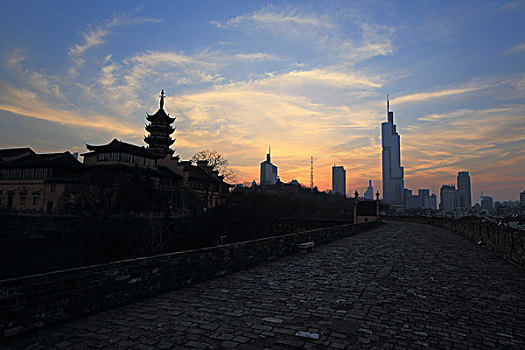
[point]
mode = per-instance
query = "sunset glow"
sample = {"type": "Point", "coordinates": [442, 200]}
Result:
{"type": "Point", "coordinates": [307, 78]}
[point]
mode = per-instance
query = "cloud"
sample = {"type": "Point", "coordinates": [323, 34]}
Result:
{"type": "Point", "coordinates": [15, 58]}
{"type": "Point", "coordinates": [269, 17]}
{"type": "Point", "coordinates": [518, 48]}
{"type": "Point", "coordinates": [423, 96]}
{"type": "Point", "coordinates": [256, 56]}
{"type": "Point", "coordinates": [95, 35]}
{"type": "Point", "coordinates": [27, 103]}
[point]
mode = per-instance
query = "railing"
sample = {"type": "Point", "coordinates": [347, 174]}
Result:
{"type": "Point", "coordinates": [504, 241]}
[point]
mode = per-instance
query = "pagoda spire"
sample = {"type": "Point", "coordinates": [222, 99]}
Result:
{"type": "Point", "coordinates": [162, 99]}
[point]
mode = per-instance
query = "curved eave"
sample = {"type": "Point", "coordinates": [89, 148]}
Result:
{"type": "Point", "coordinates": [152, 127]}
{"type": "Point", "coordinates": [160, 115]}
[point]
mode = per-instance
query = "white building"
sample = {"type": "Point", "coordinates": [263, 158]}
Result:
{"type": "Point", "coordinates": [369, 194]}
{"type": "Point", "coordinates": [268, 171]}
{"type": "Point", "coordinates": [339, 180]}
{"type": "Point", "coordinates": [393, 172]}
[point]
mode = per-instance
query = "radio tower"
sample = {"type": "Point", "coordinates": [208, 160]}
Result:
{"type": "Point", "coordinates": [311, 172]}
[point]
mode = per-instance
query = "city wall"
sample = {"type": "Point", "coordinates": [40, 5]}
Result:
{"type": "Point", "coordinates": [35, 301]}
{"type": "Point", "coordinates": [504, 241]}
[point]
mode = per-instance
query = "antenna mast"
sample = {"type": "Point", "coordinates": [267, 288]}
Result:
{"type": "Point", "coordinates": [311, 172]}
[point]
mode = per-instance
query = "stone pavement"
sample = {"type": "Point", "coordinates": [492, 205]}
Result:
{"type": "Point", "coordinates": [399, 286]}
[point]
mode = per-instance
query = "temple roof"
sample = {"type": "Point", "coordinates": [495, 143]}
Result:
{"type": "Point", "coordinates": [161, 114]}
{"type": "Point", "coordinates": [13, 153]}
{"type": "Point", "coordinates": [119, 146]}
{"type": "Point", "coordinates": [55, 160]}
{"type": "Point", "coordinates": [155, 127]}
{"type": "Point", "coordinates": [165, 141]}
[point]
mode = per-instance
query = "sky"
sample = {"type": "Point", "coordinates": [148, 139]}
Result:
{"type": "Point", "coordinates": [309, 78]}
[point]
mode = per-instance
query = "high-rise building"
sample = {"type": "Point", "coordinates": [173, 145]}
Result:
{"type": "Point", "coordinates": [268, 171]}
{"type": "Point", "coordinates": [463, 191]}
{"type": "Point", "coordinates": [487, 203]}
{"type": "Point", "coordinates": [522, 199]}
{"type": "Point", "coordinates": [430, 202]}
{"type": "Point", "coordinates": [448, 198]}
{"type": "Point", "coordinates": [393, 173]}
{"type": "Point", "coordinates": [339, 180]}
{"type": "Point", "coordinates": [369, 194]}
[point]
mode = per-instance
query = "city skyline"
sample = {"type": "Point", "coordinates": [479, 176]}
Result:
{"type": "Point", "coordinates": [307, 78]}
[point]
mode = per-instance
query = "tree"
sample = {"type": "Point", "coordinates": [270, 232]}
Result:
{"type": "Point", "coordinates": [218, 162]}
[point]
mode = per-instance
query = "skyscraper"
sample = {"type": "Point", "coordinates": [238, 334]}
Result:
{"type": "Point", "coordinates": [268, 171]}
{"type": "Point", "coordinates": [393, 183]}
{"type": "Point", "coordinates": [448, 197]}
{"type": "Point", "coordinates": [369, 194]}
{"type": "Point", "coordinates": [464, 194]}
{"type": "Point", "coordinates": [339, 180]}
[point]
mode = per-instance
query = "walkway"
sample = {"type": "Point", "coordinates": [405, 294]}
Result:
{"type": "Point", "coordinates": [398, 286]}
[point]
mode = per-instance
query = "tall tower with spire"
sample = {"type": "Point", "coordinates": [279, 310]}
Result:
{"type": "Point", "coordinates": [159, 130]}
{"type": "Point", "coordinates": [393, 172]}
{"type": "Point", "coordinates": [268, 170]}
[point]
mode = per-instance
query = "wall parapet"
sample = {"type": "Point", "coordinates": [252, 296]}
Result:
{"type": "Point", "coordinates": [31, 302]}
{"type": "Point", "coordinates": [504, 241]}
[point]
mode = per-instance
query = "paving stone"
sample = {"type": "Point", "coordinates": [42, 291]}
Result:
{"type": "Point", "coordinates": [400, 286]}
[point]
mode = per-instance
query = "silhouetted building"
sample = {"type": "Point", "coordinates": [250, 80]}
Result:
{"type": "Point", "coordinates": [365, 210]}
{"type": "Point", "coordinates": [428, 201]}
{"type": "Point", "coordinates": [33, 182]}
{"type": "Point", "coordinates": [487, 203]}
{"type": "Point", "coordinates": [268, 171]}
{"type": "Point", "coordinates": [463, 191]}
{"type": "Point", "coordinates": [522, 199]}
{"type": "Point", "coordinates": [160, 129]}
{"type": "Point", "coordinates": [369, 193]}
{"type": "Point", "coordinates": [412, 201]}
{"type": "Point", "coordinates": [14, 153]}
{"type": "Point", "coordinates": [393, 173]}
{"type": "Point", "coordinates": [339, 180]}
{"type": "Point", "coordinates": [121, 153]}
{"type": "Point", "coordinates": [448, 198]}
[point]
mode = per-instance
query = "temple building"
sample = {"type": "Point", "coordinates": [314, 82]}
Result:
{"type": "Point", "coordinates": [160, 129]}
{"type": "Point", "coordinates": [35, 183]}
{"type": "Point", "coordinates": [115, 177]}
{"type": "Point", "coordinates": [393, 172]}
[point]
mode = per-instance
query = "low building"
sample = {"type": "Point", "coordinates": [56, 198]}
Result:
{"type": "Point", "coordinates": [34, 183]}
{"type": "Point", "coordinates": [366, 210]}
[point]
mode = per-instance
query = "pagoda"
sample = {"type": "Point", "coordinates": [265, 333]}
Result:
{"type": "Point", "coordinates": [160, 129]}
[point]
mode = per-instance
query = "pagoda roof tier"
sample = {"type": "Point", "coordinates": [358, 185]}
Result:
{"type": "Point", "coordinates": [119, 146]}
{"type": "Point", "coordinates": [159, 140]}
{"type": "Point", "coordinates": [155, 127]}
{"type": "Point", "coordinates": [160, 115]}
{"type": "Point", "coordinates": [162, 152]}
